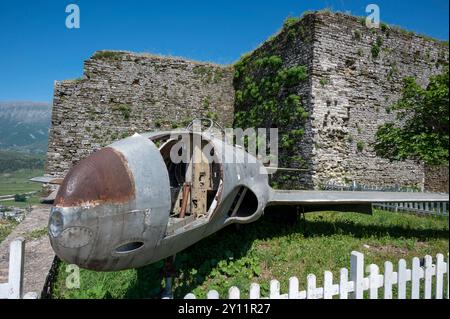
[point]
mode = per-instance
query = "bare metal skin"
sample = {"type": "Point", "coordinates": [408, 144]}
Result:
{"type": "Point", "coordinates": [122, 206]}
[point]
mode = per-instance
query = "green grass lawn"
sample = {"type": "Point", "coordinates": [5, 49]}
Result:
{"type": "Point", "coordinates": [33, 200]}
{"type": "Point", "coordinates": [17, 182]}
{"type": "Point", "coordinates": [268, 250]}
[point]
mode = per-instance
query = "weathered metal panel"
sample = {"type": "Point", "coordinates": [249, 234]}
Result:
{"type": "Point", "coordinates": [281, 197]}
{"type": "Point", "coordinates": [89, 235]}
{"type": "Point", "coordinates": [102, 177]}
{"type": "Point", "coordinates": [151, 178]}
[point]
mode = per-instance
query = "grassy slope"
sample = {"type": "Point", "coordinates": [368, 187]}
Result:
{"type": "Point", "coordinates": [266, 250]}
{"type": "Point", "coordinates": [6, 227]}
{"type": "Point", "coordinates": [13, 160]}
{"type": "Point", "coordinates": [34, 200]}
{"type": "Point", "coordinates": [17, 182]}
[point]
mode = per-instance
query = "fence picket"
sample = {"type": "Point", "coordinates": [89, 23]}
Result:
{"type": "Point", "coordinates": [234, 293]}
{"type": "Point", "coordinates": [293, 288]}
{"type": "Point", "coordinates": [4, 290]}
{"type": "Point", "coordinates": [402, 278]}
{"type": "Point", "coordinates": [388, 279]}
{"type": "Point", "coordinates": [16, 267]}
{"type": "Point", "coordinates": [190, 296]}
{"type": "Point", "coordinates": [428, 276]}
{"type": "Point", "coordinates": [416, 274]}
{"type": "Point", "coordinates": [343, 284]}
{"type": "Point", "coordinates": [311, 287]}
{"type": "Point", "coordinates": [212, 294]}
{"type": "Point", "coordinates": [448, 274]}
{"type": "Point", "coordinates": [255, 291]}
{"type": "Point", "coordinates": [328, 285]}
{"type": "Point", "coordinates": [439, 275]}
{"type": "Point", "coordinates": [357, 274]}
{"type": "Point", "coordinates": [374, 281]}
{"type": "Point", "coordinates": [274, 289]}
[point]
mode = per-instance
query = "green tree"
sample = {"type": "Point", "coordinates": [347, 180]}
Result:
{"type": "Point", "coordinates": [421, 130]}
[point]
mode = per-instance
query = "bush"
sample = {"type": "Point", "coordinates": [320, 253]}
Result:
{"type": "Point", "coordinates": [20, 198]}
{"type": "Point", "coordinates": [360, 146]}
{"type": "Point", "coordinates": [290, 21]}
{"type": "Point", "coordinates": [375, 51]}
{"type": "Point", "coordinates": [206, 102]}
{"type": "Point", "coordinates": [423, 136]}
{"type": "Point", "coordinates": [107, 55]}
{"type": "Point", "coordinates": [379, 41]}
{"type": "Point", "coordinates": [324, 81]}
{"type": "Point", "coordinates": [124, 109]}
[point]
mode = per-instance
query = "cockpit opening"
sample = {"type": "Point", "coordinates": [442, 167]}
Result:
{"type": "Point", "coordinates": [194, 181]}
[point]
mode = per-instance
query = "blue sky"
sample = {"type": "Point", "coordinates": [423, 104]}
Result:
{"type": "Point", "coordinates": [37, 48]}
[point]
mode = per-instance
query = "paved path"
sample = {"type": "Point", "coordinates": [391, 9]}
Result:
{"type": "Point", "coordinates": [39, 254]}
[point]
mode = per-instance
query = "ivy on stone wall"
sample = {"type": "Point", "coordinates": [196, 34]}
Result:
{"type": "Point", "coordinates": [266, 97]}
{"type": "Point", "coordinates": [209, 74]}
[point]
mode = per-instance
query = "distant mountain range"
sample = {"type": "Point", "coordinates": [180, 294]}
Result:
{"type": "Point", "coordinates": [24, 126]}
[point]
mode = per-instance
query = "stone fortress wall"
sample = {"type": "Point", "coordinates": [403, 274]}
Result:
{"type": "Point", "coordinates": [122, 93]}
{"type": "Point", "coordinates": [354, 75]}
{"type": "Point", "coordinates": [353, 88]}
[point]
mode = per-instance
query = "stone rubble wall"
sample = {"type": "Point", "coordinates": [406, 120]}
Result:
{"type": "Point", "coordinates": [436, 179]}
{"type": "Point", "coordinates": [352, 91]}
{"type": "Point", "coordinates": [122, 93]}
{"type": "Point", "coordinates": [348, 95]}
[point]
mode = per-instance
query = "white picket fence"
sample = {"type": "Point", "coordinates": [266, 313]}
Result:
{"type": "Point", "coordinates": [13, 289]}
{"type": "Point", "coordinates": [421, 208]}
{"type": "Point", "coordinates": [424, 280]}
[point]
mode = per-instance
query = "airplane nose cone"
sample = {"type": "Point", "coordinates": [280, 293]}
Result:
{"type": "Point", "coordinates": [112, 208]}
{"type": "Point", "coordinates": [102, 177]}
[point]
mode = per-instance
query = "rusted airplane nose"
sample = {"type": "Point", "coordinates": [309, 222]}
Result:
{"type": "Point", "coordinates": [113, 207]}
{"type": "Point", "coordinates": [102, 177]}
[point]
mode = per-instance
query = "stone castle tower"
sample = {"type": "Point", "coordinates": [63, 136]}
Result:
{"type": "Point", "coordinates": [354, 74]}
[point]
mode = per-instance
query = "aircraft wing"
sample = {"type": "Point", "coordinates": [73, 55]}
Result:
{"type": "Point", "coordinates": [47, 180]}
{"type": "Point", "coordinates": [356, 201]}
